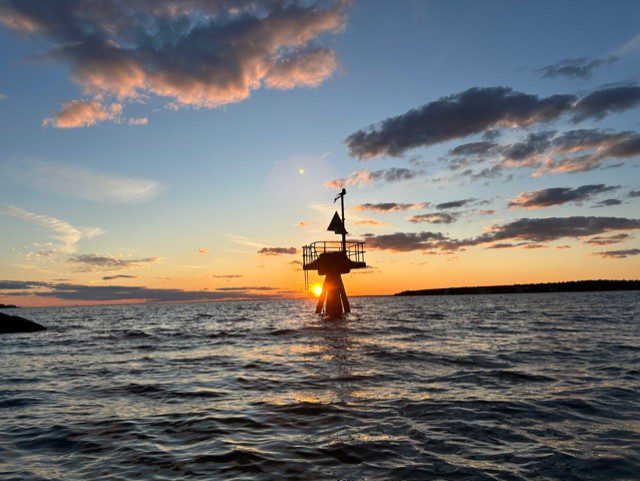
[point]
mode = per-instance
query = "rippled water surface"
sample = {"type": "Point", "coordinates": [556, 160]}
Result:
{"type": "Point", "coordinates": [539, 386]}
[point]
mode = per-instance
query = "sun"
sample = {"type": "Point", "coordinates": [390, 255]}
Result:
{"type": "Point", "coordinates": [316, 289]}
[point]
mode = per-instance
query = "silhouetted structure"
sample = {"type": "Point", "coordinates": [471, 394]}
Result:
{"type": "Point", "coordinates": [569, 286]}
{"type": "Point", "coordinates": [332, 259]}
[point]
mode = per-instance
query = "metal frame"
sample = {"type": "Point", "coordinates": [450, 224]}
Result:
{"type": "Point", "coordinates": [353, 249]}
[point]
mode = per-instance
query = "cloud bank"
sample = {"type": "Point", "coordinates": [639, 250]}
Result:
{"type": "Point", "coordinates": [480, 109]}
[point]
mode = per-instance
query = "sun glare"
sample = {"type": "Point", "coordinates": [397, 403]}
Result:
{"type": "Point", "coordinates": [316, 289]}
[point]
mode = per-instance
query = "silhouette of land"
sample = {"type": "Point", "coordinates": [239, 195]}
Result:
{"type": "Point", "coordinates": [8, 306]}
{"type": "Point", "coordinates": [11, 324]}
{"type": "Point", "coordinates": [569, 286]}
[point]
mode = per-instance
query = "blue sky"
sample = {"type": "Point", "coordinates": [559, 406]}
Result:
{"type": "Point", "coordinates": [226, 177]}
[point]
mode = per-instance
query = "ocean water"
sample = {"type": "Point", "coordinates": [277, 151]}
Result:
{"type": "Point", "coordinates": [511, 387]}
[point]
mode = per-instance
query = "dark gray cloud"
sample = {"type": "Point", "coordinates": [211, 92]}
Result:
{"type": "Point", "coordinates": [473, 148]}
{"type": "Point", "coordinates": [558, 195]}
{"type": "Point", "coordinates": [535, 143]}
{"type": "Point", "coordinates": [618, 254]}
{"type": "Point", "coordinates": [390, 206]}
{"type": "Point", "coordinates": [454, 204]}
{"type": "Point", "coordinates": [95, 262]}
{"type": "Point", "coordinates": [607, 203]}
{"type": "Point", "coordinates": [608, 239]}
{"type": "Point", "coordinates": [522, 231]}
{"type": "Point", "coordinates": [571, 151]}
{"type": "Point", "coordinates": [502, 245]}
{"type": "Point", "coordinates": [18, 285]}
{"type": "Point", "coordinates": [597, 105]}
{"type": "Point", "coordinates": [246, 288]}
{"type": "Point", "coordinates": [477, 110]}
{"type": "Point", "coordinates": [79, 292]}
{"type": "Point", "coordinates": [118, 276]}
{"type": "Point", "coordinates": [436, 218]}
{"type": "Point", "coordinates": [276, 251]}
{"type": "Point", "coordinates": [470, 112]}
{"type": "Point", "coordinates": [634, 193]}
{"type": "Point", "coordinates": [404, 241]}
{"type": "Point", "coordinates": [191, 52]}
{"type": "Point", "coordinates": [575, 68]}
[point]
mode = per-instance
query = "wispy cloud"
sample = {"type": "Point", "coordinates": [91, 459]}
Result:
{"type": "Point", "coordinates": [581, 68]}
{"type": "Point", "coordinates": [96, 262]}
{"type": "Point", "coordinates": [365, 177]}
{"type": "Point", "coordinates": [66, 234]}
{"type": "Point", "coordinates": [618, 254]}
{"type": "Point", "coordinates": [118, 276]}
{"type": "Point", "coordinates": [391, 206]}
{"type": "Point", "coordinates": [80, 182]}
{"type": "Point", "coordinates": [276, 251]}
{"type": "Point", "coordinates": [81, 113]}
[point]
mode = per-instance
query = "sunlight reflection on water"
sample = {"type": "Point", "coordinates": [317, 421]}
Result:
{"type": "Point", "coordinates": [508, 387]}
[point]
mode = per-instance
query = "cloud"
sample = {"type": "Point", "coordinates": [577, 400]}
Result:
{"type": "Point", "coordinates": [371, 222]}
{"type": "Point", "coordinates": [633, 193]}
{"type": "Point", "coordinates": [436, 218]}
{"type": "Point", "coordinates": [390, 206]}
{"type": "Point", "coordinates": [138, 121]}
{"type": "Point", "coordinates": [454, 204]}
{"type": "Point", "coordinates": [473, 148]}
{"type": "Point", "coordinates": [618, 254]}
{"type": "Point", "coordinates": [597, 105]}
{"type": "Point", "coordinates": [557, 196]}
{"type": "Point", "coordinates": [80, 182]}
{"type": "Point", "coordinates": [575, 68]}
{"type": "Point", "coordinates": [66, 234]}
{"type": "Point", "coordinates": [202, 251]}
{"type": "Point", "coordinates": [365, 177]}
{"type": "Point", "coordinates": [404, 241]}
{"type": "Point", "coordinates": [549, 152]}
{"type": "Point", "coordinates": [191, 52]}
{"type": "Point", "coordinates": [79, 292]}
{"type": "Point", "coordinates": [2, 96]}
{"type": "Point", "coordinates": [95, 262]}
{"type": "Point", "coordinates": [227, 276]}
{"type": "Point", "coordinates": [607, 240]}
{"type": "Point", "coordinates": [276, 251]}
{"type": "Point", "coordinates": [522, 231]}
{"type": "Point", "coordinates": [118, 276]}
{"type": "Point", "coordinates": [480, 109]}
{"type": "Point", "coordinates": [470, 112]}
{"type": "Point", "coordinates": [606, 203]}
{"type": "Point", "coordinates": [246, 288]}
{"type": "Point", "coordinates": [80, 113]}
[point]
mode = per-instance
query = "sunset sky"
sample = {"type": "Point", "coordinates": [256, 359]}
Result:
{"type": "Point", "coordinates": [165, 150]}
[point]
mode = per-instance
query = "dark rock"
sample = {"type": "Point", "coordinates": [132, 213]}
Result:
{"type": "Point", "coordinates": [10, 324]}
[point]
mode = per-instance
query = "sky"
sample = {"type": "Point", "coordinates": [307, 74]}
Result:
{"type": "Point", "coordinates": [156, 150]}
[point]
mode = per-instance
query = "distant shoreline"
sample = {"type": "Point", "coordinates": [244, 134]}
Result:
{"type": "Point", "coordinates": [569, 286]}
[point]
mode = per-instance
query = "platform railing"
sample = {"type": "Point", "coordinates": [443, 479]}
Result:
{"type": "Point", "coordinates": [354, 250]}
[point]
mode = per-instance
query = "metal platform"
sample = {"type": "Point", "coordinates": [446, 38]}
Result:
{"type": "Point", "coordinates": [354, 253]}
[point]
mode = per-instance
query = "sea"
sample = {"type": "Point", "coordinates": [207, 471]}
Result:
{"type": "Point", "coordinates": [494, 387]}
